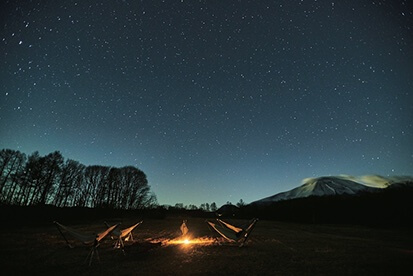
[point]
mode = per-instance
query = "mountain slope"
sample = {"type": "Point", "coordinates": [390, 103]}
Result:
{"type": "Point", "coordinates": [321, 186]}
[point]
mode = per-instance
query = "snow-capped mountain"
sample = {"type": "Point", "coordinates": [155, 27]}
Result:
{"type": "Point", "coordinates": [337, 185]}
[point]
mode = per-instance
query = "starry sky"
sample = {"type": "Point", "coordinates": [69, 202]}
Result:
{"type": "Point", "coordinates": [214, 100]}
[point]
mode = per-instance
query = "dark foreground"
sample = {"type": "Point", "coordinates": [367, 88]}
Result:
{"type": "Point", "coordinates": [274, 248]}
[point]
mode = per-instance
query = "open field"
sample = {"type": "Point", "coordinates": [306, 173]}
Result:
{"type": "Point", "coordinates": [274, 248]}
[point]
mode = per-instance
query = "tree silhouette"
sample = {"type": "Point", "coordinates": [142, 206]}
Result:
{"type": "Point", "coordinates": [213, 207]}
{"type": "Point", "coordinates": [40, 180]}
{"type": "Point", "coordinates": [240, 203]}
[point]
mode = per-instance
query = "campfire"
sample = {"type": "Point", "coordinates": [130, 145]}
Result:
{"type": "Point", "coordinates": [190, 241]}
{"type": "Point", "coordinates": [186, 239]}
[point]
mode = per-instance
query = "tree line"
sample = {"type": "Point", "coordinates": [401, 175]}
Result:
{"type": "Point", "coordinates": [50, 179]}
{"type": "Point", "coordinates": [206, 207]}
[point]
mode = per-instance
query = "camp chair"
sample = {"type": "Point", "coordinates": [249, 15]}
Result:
{"type": "Point", "coordinates": [87, 239]}
{"type": "Point", "coordinates": [233, 233]}
{"type": "Point", "coordinates": [125, 234]}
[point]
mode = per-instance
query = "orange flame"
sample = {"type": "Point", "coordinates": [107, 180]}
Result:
{"type": "Point", "coordinates": [189, 241]}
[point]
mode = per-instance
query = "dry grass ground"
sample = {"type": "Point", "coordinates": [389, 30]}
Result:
{"type": "Point", "coordinates": [274, 248]}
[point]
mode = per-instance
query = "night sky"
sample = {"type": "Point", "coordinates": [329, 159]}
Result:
{"type": "Point", "coordinates": [213, 100]}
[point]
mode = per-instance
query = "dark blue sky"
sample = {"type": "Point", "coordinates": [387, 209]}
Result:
{"type": "Point", "coordinates": [213, 100]}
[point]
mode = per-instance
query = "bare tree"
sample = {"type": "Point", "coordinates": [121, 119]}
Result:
{"type": "Point", "coordinates": [94, 190]}
{"type": "Point", "coordinates": [50, 180]}
{"type": "Point", "coordinates": [137, 188]}
{"type": "Point", "coordinates": [11, 166]}
{"type": "Point", "coordinates": [31, 179]}
{"type": "Point", "coordinates": [52, 167]}
{"type": "Point", "coordinates": [68, 184]}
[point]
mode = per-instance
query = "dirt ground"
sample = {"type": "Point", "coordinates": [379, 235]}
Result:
{"type": "Point", "coordinates": [274, 248]}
